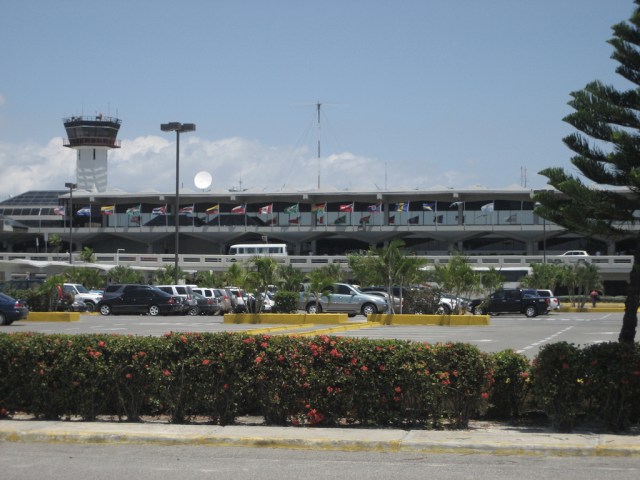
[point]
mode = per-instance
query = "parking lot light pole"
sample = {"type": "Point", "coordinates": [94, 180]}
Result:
{"type": "Point", "coordinates": [118, 256]}
{"type": "Point", "coordinates": [178, 128]}
{"type": "Point", "coordinates": [71, 187]}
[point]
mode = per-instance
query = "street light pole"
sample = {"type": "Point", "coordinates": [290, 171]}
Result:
{"type": "Point", "coordinates": [71, 186]}
{"type": "Point", "coordinates": [118, 256]}
{"type": "Point", "coordinates": [178, 128]}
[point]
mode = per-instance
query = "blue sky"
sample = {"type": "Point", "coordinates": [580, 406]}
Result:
{"type": "Point", "coordinates": [416, 94]}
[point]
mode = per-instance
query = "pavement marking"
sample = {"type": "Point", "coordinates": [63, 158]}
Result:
{"type": "Point", "coordinates": [544, 340]}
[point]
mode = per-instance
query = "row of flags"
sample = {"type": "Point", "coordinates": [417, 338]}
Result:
{"type": "Point", "coordinates": [318, 208]}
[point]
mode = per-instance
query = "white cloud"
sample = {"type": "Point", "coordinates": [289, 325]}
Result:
{"type": "Point", "coordinates": [148, 163]}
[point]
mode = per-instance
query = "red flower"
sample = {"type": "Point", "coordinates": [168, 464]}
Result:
{"type": "Point", "coordinates": [524, 374]}
{"type": "Point", "coordinates": [264, 344]}
{"type": "Point", "coordinates": [364, 368]}
{"type": "Point", "coordinates": [335, 354]}
{"type": "Point", "coordinates": [166, 373]}
{"type": "Point", "coordinates": [330, 389]}
{"type": "Point", "coordinates": [183, 338]}
{"type": "Point", "coordinates": [101, 344]}
{"type": "Point", "coordinates": [142, 354]}
{"type": "Point", "coordinates": [281, 358]}
{"type": "Point", "coordinates": [259, 359]}
{"type": "Point", "coordinates": [226, 386]}
{"type": "Point", "coordinates": [128, 376]}
{"type": "Point", "coordinates": [397, 389]}
{"type": "Point", "coordinates": [206, 361]}
{"type": "Point", "coordinates": [484, 395]}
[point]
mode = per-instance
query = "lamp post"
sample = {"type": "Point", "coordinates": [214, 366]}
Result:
{"type": "Point", "coordinates": [544, 236]}
{"type": "Point", "coordinates": [71, 187]}
{"type": "Point", "coordinates": [118, 256]}
{"type": "Point", "coordinates": [178, 128]}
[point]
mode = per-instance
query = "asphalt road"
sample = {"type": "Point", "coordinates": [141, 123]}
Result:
{"type": "Point", "coordinates": [21, 461]}
{"type": "Point", "coordinates": [525, 335]}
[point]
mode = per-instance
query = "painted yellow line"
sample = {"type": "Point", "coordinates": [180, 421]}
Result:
{"type": "Point", "coordinates": [258, 331]}
{"type": "Point", "coordinates": [342, 328]}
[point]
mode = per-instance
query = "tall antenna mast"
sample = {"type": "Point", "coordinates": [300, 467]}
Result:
{"type": "Point", "coordinates": [318, 105]}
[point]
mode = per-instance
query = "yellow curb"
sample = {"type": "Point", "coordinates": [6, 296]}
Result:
{"type": "Point", "coordinates": [351, 326]}
{"type": "Point", "coordinates": [286, 318]}
{"type": "Point", "coordinates": [53, 317]}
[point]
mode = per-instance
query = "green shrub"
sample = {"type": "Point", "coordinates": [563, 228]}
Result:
{"type": "Point", "coordinates": [285, 302]}
{"type": "Point", "coordinates": [612, 384]}
{"type": "Point", "coordinates": [511, 385]}
{"type": "Point", "coordinates": [423, 301]}
{"type": "Point", "coordinates": [558, 385]}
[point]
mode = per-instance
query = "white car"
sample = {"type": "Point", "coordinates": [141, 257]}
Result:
{"type": "Point", "coordinates": [575, 253]}
{"type": "Point", "coordinates": [554, 302]}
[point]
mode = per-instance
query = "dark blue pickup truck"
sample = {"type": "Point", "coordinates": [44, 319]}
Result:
{"type": "Point", "coordinates": [512, 300]}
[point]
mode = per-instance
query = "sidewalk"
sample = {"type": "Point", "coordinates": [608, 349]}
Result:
{"type": "Point", "coordinates": [482, 437]}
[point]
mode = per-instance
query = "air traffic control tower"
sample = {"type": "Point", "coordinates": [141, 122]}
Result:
{"type": "Point", "coordinates": [92, 137]}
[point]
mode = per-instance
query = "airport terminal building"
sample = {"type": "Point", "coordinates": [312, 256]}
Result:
{"type": "Point", "coordinates": [475, 221]}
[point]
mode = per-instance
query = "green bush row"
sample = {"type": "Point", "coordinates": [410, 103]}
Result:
{"type": "Point", "coordinates": [311, 381]}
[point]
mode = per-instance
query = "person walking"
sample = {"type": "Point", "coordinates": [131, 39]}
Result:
{"type": "Point", "coordinates": [594, 297]}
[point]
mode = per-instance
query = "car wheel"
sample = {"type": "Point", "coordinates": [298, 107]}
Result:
{"type": "Point", "coordinates": [105, 310]}
{"type": "Point", "coordinates": [193, 311]}
{"type": "Point", "coordinates": [369, 309]}
{"type": "Point", "coordinates": [478, 310]}
{"type": "Point", "coordinates": [443, 310]}
{"type": "Point", "coordinates": [3, 319]}
{"type": "Point", "coordinates": [154, 311]}
{"type": "Point", "coordinates": [530, 311]}
{"type": "Point", "coordinates": [91, 307]}
{"type": "Point", "coordinates": [314, 308]}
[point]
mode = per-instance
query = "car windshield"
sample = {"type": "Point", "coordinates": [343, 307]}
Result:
{"type": "Point", "coordinates": [82, 289]}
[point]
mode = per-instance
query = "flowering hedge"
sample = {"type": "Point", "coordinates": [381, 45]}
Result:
{"type": "Point", "coordinates": [320, 380]}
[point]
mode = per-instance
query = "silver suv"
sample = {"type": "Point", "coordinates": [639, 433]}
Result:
{"type": "Point", "coordinates": [343, 298]}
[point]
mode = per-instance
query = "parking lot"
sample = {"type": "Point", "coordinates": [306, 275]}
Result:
{"type": "Point", "coordinates": [525, 335]}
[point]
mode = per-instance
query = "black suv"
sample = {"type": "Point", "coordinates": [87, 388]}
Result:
{"type": "Point", "coordinates": [137, 299]}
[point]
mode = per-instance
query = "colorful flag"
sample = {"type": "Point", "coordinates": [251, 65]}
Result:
{"type": "Point", "coordinates": [341, 220]}
{"type": "Point", "coordinates": [213, 210]}
{"type": "Point", "coordinates": [294, 221]}
{"type": "Point", "coordinates": [319, 207]}
{"type": "Point", "coordinates": [456, 204]}
{"type": "Point", "coordinates": [348, 208]}
{"type": "Point", "coordinates": [402, 207]}
{"type": "Point", "coordinates": [239, 209]}
{"type": "Point", "coordinates": [377, 208]}
{"type": "Point", "coordinates": [160, 210]}
{"type": "Point", "coordinates": [293, 209]}
{"type": "Point", "coordinates": [84, 212]}
{"type": "Point", "coordinates": [366, 219]}
{"type": "Point", "coordinates": [414, 220]}
{"type": "Point", "coordinates": [266, 210]}
{"type": "Point", "coordinates": [321, 220]}
{"type": "Point", "coordinates": [487, 208]}
{"type": "Point", "coordinates": [187, 210]}
{"type": "Point", "coordinates": [58, 210]}
{"type": "Point", "coordinates": [134, 210]}
{"type": "Point", "coordinates": [107, 209]}
{"type": "Point", "coordinates": [429, 206]}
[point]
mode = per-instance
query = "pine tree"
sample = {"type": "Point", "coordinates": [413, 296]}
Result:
{"type": "Point", "coordinates": [607, 153]}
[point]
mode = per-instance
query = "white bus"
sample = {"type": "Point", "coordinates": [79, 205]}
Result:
{"type": "Point", "coordinates": [259, 249]}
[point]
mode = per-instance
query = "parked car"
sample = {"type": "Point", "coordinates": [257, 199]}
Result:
{"type": "Point", "coordinates": [238, 299]}
{"type": "Point", "coordinates": [141, 299]}
{"type": "Point", "coordinates": [224, 300]}
{"type": "Point", "coordinates": [511, 300]}
{"type": "Point", "coordinates": [82, 294]}
{"type": "Point", "coordinates": [554, 302]}
{"type": "Point", "coordinates": [206, 305]}
{"type": "Point", "coordinates": [397, 303]}
{"type": "Point", "coordinates": [190, 305]}
{"type": "Point", "coordinates": [341, 297]}
{"type": "Point", "coordinates": [11, 309]}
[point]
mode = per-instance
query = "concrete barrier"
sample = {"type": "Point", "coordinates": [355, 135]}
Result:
{"type": "Point", "coordinates": [53, 317]}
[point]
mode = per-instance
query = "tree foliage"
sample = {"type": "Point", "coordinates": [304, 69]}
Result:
{"type": "Point", "coordinates": [606, 151]}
